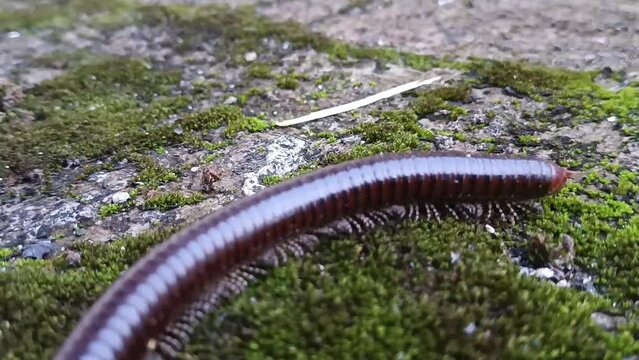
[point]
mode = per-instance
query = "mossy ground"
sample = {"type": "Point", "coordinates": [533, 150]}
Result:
{"type": "Point", "coordinates": [392, 293]}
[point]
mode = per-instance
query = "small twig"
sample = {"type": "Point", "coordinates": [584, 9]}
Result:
{"type": "Point", "coordinates": [358, 103]}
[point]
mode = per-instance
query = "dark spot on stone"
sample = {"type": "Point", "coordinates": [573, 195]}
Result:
{"type": "Point", "coordinates": [39, 116]}
{"type": "Point", "coordinates": [482, 86]}
{"type": "Point", "coordinates": [558, 110]}
{"type": "Point", "coordinates": [35, 176]}
{"type": "Point", "coordinates": [70, 163]}
{"type": "Point", "coordinates": [43, 232]}
{"type": "Point", "coordinates": [28, 191]}
{"type": "Point", "coordinates": [512, 92]}
{"type": "Point", "coordinates": [607, 72]}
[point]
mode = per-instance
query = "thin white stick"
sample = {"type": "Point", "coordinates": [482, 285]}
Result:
{"type": "Point", "coordinates": [358, 103]}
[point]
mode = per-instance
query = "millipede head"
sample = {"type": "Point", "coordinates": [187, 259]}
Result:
{"type": "Point", "coordinates": [560, 178]}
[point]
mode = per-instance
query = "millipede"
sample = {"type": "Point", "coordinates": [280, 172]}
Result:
{"type": "Point", "coordinates": [151, 310]}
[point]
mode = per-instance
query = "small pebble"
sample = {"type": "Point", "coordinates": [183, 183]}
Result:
{"type": "Point", "coordinates": [79, 231]}
{"type": "Point", "coordinates": [470, 329]}
{"type": "Point", "coordinates": [606, 321]}
{"type": "Point", "coordinates": [612, 119]}
{"type": "Point", "coordinates": [37, 251]}
{"type": "Point", "coordinates": [454, 257]}
{"type": "Point", "coordinates": [230, 100]}
{"type": "Point", "coordinates": [13, 34]}
{"type": "Point", "coordinates": [73, 258]}
{"type": "Point", "coordinates": [120, 197]}
{"type": "Point", "coordinates": [544, 273]}
{"type": "Point", "coordinates": [490, 229]}
{"type": "Point", "coordinates": [250, 56]}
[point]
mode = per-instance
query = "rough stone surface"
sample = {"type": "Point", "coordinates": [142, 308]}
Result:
{"type": "Point", "coordinates": [576, 34]}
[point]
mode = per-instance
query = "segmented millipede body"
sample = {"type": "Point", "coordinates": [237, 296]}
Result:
{"type": "Point", "coordinates": [155, 293]}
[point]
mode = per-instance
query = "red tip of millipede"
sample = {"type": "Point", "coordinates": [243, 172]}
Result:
{"type": "Point", "coordinates": [575, 175]}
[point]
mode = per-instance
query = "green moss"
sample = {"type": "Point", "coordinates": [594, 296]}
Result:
{"type": "Point", "coordinates": [220, 115]}
{"type": "Point", "coordinates": [112, 209]}
{"type": "Point", "coordinates": [91, 111]}
{"type": "Point", "coordinates": [529, 140]}
{"type": "Point", "coordinates": [211, 118]}
{"type": "Point", "coordinates": [269, 180]}
{"type": "Point", "coordinates": [259, 71]}
{"type": "Point", "coordinates": [395, 131]}
{"type": "Point", "coordinates": [398, 293]}
{"type": "Point", "coordinates": [323, 79]}
{"type": "Point", "coordinates": [288, 82]}
{"type": "Point", "coordinates": [530, 79]}
{"type": "Point", "coordinates": [6, 252]}
{"type": "Point", "coordinates": [250, 124]}
{"type": "Point", "coordinates": [93, 168]}
{"type": "Point", "coordinates": [239, 29]}
{"type": "Point", "coordinates": [460, 136]}
{"type": "Point", "coordinates": [427, 62]}
{"type": "Point", "coordinates": [431, 101]}
{"type": "Point", "coordinates": [171, 200]}
{"type": "Point", "coordinates": [623, 105]}
{"type": "Point", "coordinates": [391, 124]}
{"type": "Point", "coordinates": [604, 229]}
{"type": "Point", "coordinates": [57, 13]}
{"type": "Point", "coordinates": [243, 98]}
{"type": "Point", "coordinates": [341, 51]}
{"type": "Point", "coordinates": [65, 60]}
{"type": "Point", "coordinates": [329, 136]}
{"type": "Point", "coordinates": [319, 95]}
{"type": "Point", "coordinates": [627, 184]}
{"type": "Point", "coordinates": [573, 90]}
{"type": "Point", "coordinates": [426, 105]}
{"type": "Point", "coordinates": [153, 174]}
{"type": "Point", "coordinates": [58, 294]}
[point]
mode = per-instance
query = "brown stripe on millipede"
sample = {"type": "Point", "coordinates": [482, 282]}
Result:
{"type": "Point", "coordinates": [139, 307]}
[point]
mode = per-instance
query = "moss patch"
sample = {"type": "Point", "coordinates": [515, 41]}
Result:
{"type": "Point", "coordinates": [249, 124]}
{"type": "Point", "coordinates": [394, 131]}
{"type": "Point", "coordinates": [399, 294]}
{"type": "Point", "coordinates": [432, 101]}
{"type": "Point", "coordinates": [111, 209]}
{"type": "Point", "coordinates": [259, 71]}
{"type": "Point", "coordinates": [576, 92]}
{"type": "Point", "coordinates": [171, 200]}
{"type": "Point", "coordinates": [153, 174]}
{"type": "Point", "coordinates": [604, 226]}
{"type": "Point", "coordinates": [58, 13]}
{"type": "Point", "coordinates": [91, 111]}
{"type": "Point", "coordinates": [57, 294]}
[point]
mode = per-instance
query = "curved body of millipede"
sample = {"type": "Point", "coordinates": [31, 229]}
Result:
{"type": "Point", "coordinates": [159, 289]}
